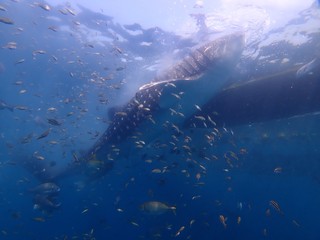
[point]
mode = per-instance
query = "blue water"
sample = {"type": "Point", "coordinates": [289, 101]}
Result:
{"type": "Point", "coordinates": [76, 68]}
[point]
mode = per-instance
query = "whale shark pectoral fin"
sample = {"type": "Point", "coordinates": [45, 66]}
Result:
{"type": "Point", "coordinates": [171, 82]}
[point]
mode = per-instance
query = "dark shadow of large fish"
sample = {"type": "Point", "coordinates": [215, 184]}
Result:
{"type": "Point", "coordinates": [5, 106]}
{"type": "Point", "coordinates": [290, 92]}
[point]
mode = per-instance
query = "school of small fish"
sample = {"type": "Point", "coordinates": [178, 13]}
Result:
{"type": "Point", "coordinates": [194, 155]}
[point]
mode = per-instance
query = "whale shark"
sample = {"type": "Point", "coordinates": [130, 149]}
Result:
{"type": "Point", "coordinates": [171, 97]}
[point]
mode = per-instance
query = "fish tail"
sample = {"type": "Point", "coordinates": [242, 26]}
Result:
{"type": "Point", "coordinates": [174, 210]}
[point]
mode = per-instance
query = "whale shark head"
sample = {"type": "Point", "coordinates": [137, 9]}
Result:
{"type": "Point", "coordinates": [214, 54]}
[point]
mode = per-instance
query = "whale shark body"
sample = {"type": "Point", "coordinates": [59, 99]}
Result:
{"type": "Point", "coordinates": [170, 98]}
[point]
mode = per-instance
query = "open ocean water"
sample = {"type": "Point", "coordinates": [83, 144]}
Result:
{"type": "Point", "coordinates": [117, 129]}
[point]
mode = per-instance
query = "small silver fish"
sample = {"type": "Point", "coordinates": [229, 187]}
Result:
{"type": "Point", "coordinates": [45, 203]}
{"type": "Point", "coordinates": [45, 188]}
{"type": "Point", "coordinates": [4, 105]}
{"type": "Point", "coordinates": [276, 206]}
{"type": "Point", "coordinates": [2, 8]}
{"type": "Point", "coordinates": [44, 134]}
{"type": "Point", "coordinates": [308, 69]}
{"type": "Point", "coordinates": [45, 7]}
{"type": "Point", "coordinates": [6, 20]}
{"type": "Point", "coordinates": [53, 122]}
{"type": "Point", "coordinates": [156, 208]}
